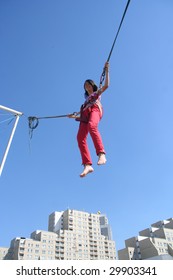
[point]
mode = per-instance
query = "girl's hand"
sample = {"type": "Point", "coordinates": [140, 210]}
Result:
{"type": "Point", "coordinates": [73, 115]}
{"type": "Point", "coordinates": [106, 66]}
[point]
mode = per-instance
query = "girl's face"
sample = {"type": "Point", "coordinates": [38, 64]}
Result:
{"type": "Point", "coordinates": [88, 87]}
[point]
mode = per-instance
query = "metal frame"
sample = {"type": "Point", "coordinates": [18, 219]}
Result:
{"type": "Point", "coordinates": [17, 115]}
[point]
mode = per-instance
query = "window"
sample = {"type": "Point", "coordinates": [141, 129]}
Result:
{"type": "Point", "coordinates": [29, 250]}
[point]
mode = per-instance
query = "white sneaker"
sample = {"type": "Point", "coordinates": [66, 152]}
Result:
{"type": "Point", "coordinates": [101, 159]}
{"type": "Point", "coordinates": [87, 169]}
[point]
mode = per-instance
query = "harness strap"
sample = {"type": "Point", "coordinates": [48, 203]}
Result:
{"type": "Point", "coordinates": [98, 103]}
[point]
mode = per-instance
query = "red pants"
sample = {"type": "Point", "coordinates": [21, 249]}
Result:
{"type": "Point", "coordinates": [90, 127]}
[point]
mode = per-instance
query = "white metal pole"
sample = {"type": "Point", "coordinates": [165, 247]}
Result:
{"type": "Point", "coordinates": [9, 142]}
{"type": "Point", "coordinates": [10, 110]}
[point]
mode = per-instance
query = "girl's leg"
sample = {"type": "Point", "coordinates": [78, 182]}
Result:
{"type": "Point", "coordinates": [83, 147]}
{"type": "Point", "coordinates": [82, 143]}
{"type": "Point", "coordinates": [95, 117]}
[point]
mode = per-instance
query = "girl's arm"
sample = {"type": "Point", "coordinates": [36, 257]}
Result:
{"type": "Point", "coordinates": [107, 79]}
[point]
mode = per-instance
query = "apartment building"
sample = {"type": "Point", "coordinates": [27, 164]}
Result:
{"type": "Point", "coordinates": [71, 235]}
{"type": "Point", "coordinates": [4, 253]}
{"type": "Point", "coordinates": [155, 242]}
{"type": "Point", "coordinates": [85, 235]}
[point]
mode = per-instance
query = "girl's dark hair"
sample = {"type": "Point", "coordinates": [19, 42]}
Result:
{"type": "Point", "coordinates": [92, 83]}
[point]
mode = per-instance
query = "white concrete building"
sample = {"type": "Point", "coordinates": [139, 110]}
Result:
{"type": "Point", "coordinates": [71, 235]}
{"type": "Point", "coordinates": [155, 242]}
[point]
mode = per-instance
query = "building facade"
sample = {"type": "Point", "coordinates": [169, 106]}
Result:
{"type": "Point", "coordinates": [85, 235]}
{"type": "Point", "coordinates": [71, 235]}
{"type": "Point", "coordinates": [4, 253]}
{"type": "Point", "coordinates": [155, 242]}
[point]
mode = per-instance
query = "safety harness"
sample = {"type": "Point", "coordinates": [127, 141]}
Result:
{"type": "Point", "coordinates": [85, 110]}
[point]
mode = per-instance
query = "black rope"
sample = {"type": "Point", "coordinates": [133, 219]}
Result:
{"type": "Point", "coordinates": [109, 56]}
{"type": "Point", "coordinates": [34, 121]}
{"type": "Point", "coordinates": [53, 117]}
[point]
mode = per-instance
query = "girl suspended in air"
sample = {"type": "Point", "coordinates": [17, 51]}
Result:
{"type": "Point", "coordinates": [89, 116]}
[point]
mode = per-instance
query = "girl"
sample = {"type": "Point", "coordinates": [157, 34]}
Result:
{"type": "Point", "coordinates": [90, 114]}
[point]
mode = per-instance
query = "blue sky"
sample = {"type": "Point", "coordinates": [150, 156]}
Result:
{"type": "Point", "coordinates": [47, 50]}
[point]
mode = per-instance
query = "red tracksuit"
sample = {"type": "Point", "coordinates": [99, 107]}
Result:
{"type": "Point", "coordinates": [91, 114]}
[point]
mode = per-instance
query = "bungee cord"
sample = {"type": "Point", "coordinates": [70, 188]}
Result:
{"type": "Point", "coordinates": [34, 121]}
{"type": "Point", "coordinates": [116, 36]}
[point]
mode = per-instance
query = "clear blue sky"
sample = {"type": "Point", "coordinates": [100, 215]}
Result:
{"type": "Point", "coordinates": [47, 50]}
